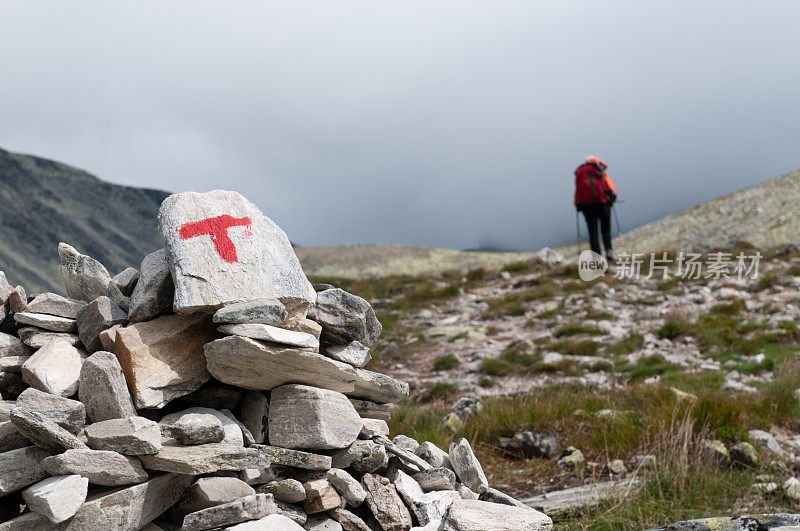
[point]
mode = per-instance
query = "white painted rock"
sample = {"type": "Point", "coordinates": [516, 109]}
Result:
{"type": "Point", "coordinates": [303, 417]}
{"type": "Point", "coordinates": [57, 498]}
{"type": "Point", "coordinates": [222, 249]}
{"type": "Point", "coordinates": [55, 368]}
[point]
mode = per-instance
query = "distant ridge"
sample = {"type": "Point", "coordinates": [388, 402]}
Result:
{"type": "Point", "coordinates": [43, 202]}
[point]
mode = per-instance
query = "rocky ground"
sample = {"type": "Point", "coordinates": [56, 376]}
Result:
{"type": "Point", "coordinates": [632, 353]}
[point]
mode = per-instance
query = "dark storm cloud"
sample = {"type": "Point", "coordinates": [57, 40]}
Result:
{"type": "Point", "coordinates": [437, 123]}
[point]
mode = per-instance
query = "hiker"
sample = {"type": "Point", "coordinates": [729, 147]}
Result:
{"type": "Point", "coordinates": [595, 194]}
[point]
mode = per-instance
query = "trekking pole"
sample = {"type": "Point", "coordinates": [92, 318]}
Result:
{"type": "Point", "coordinates": [578, 230]}
{"type": "Point", "coordinates": [619, 232]}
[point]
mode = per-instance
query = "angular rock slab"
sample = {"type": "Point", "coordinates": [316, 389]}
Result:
{"type": "Point", "coordinates": [152, 295]}
{"type": "Point", "coordinates": [232, 433]}
{"type": "Point", "coordinates": [347, 486]}
{"type": "Point", "coordinates": [261, 366]}
{"type": "Point", "coordinates": [35, 337]}
{"type": "Point", "coordinates": [345, 318]}
{"type": "Point", "coordinates": [43, 432]}
{"type": "Point", "coordinates": [128, 436]}
{"type": "Point", "coordinates": [55, 368]}
{"type": "Point", "coordinates": [69, 414]}
{"type": "Point", "coordinates": [57, 498]}
{"type": "Point", "coordinates": [46, 322]}
{"type": "Point", "coordinates": [222, 249]}
{"type": "Point", "coordinates": [54, 304]}
{"type": "Point", "coordinates": [353, 353]}
{"type": "Point", "coordinates": [126, 280]}
{"type": "Point", "coordinates": [285, 490]}
{"type": "Point", "coordinates": [385, 504]}
{"type": "Point", "coordinates": [273, 522]}
{"type": "Point", "coordinates": [11, 438]}
{"type": "Point", "coordinates": [295, 458]}
{"type": "Point", "coordinates": [12, 346]}
{"type": "Point", "coordinates": [101, 467]}
{"type": "Point", "coordinates": [475, 515]}
{"type": "Point", "coordinates": [84, 277]}
{"type": "Point", "coordinates": [163, 359]}
{"type": "Point", "coordinates": [205, 458]}
{"type": "Point", "coordinates": [265, 311]}
{"type": "Point", "coordinates": [247, 508]}
{"type": "Point", "coordinates": [320, 496]}
{"type": "Point", "coordinates": [303, 417]}
{"type": "Point", "coordinates": [467, 467]}
{"type": "Point", "coordinates": [20, 468]}
{"type": "Point", "coordinates": [97, 316]}
{"type": "Point", "coordinates": [211, 491]}
{"type": "Point", "coordinates": [103, 388]}
{"type": "Point", "coordinates": [272, 334]}
{"type": "Point", "coordinates": [133, 507]}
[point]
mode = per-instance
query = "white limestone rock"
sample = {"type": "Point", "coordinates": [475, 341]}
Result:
{"type": "Point", "coordinates": [55, 368]}
{"type": "Point", "coordinates": [57, 498]}
{"type": "Point", "coordinates": [273, 334]}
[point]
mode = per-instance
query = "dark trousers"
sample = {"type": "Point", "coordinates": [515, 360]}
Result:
{"type": "Point", "coordinates": [598, 213]}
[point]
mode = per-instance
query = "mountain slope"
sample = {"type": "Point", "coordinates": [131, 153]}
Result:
{"type": "Point", "coordinates": [764, 214]}
{"type": "Point", "coordinates": [45, 202]}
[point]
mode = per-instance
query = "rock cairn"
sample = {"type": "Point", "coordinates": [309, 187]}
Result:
{"type": "Point", "coordinates": [215, 388]}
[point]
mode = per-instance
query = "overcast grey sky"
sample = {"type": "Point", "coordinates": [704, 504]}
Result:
{"type": "Point", "coordinates": [447, 123]}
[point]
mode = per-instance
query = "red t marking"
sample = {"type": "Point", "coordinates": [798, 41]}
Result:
{"type": "Point", "coordinates": [217, 228]}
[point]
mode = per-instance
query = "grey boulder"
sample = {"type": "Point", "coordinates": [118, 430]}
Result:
{"type": "Point", "coordinates": [101, 467]}
{"type": "Point", "coordinates": [153, 293]}
{"type": "Point", "coordinates": [309, 418]}
{"type": "Point", "coordinates": [247, 508]}
{"type": "Point", "coordinates": [57, 498]}
{"type": "Point", "coordinates": [128, 436]}
{"type": "Point", "coordinates": [232, 433]}
{"type": "Point", "coordinates": [84, 277]}
{"type": "Point", "coordinates": [103, 389]}
{"type": "Point", "coordinates": [264, 311]}
{"type": "Point", "coordinates": [43, 432]}
{"type": "Point", "coordinates": [345, 318]}
{"type": "Point", "coordinates": [97, 316]}
{"type": "Point", "coordinates": [55, 368]}
{"type": "Point", "coordinates": [69, 414]}
{"type": "Point", "coordinates": [353, 353]}
{"type": "Point", "coordinates": [197, 428]}
{"type": "Point", "coordinates": [467, 466]}
{"type": "Point", "coordinates": [54, 304]}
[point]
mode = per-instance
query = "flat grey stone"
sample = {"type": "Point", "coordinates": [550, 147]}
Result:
{"type": "Point", "coordinates": [54, 304]}
{"type": "Point", "coordinates": [162, 359]}
{"type": "Point", "coordinates": [197, 428]}
{"type": "Point", "coordinates": [346, 457]}
{"type": "Point", "coordinates": [232, 433]}
{"type": "Point", "coordinates": [255, 415]}
{"type": "Point", "coordinates": [126, 280]}
{"type": "Point", "coordinates": [374, 461]}
{"type": "Point", "coordinates": [295, 458]}
{"type": "Point", "coordinates": [436, 479]}
{"type": "Point", "coordinates": [128, 436]}
{"type": "Point", "coordinates": [310, 418]}
{"type": "Point", "coordinates": [373, 428]}
{"type": "Point", "coordinates": [55, 368]}
{"type": "Point", "coordinates": [407, 487]}
{"type": "Point", "coordinates": [57, 498]}
{"type": "Point", "coordinates": [42, 431]}
{"type": "Point", "coordinates": [372, 410]}
{"type": "Point", "coordinates": [11, 438]}
{"type": "Point", "coordinates": [13, 346]}
{"type": "Point", "coordinates": [495, 496]}
{"type": "Point", "coordinates": [348, 520]}
{"type": "Point", "coordinates": [476, 515]}
{"type": "Point", "coordinates": [347, 486]}
{"type": "Point", "coordinates": [13, 363]}
{"type": "Point", "coordinates": [103, 388]}
{"type": "Point", "coordinates": [153, 293]}
{"type": "Point", "coordinates": [101, 467]}
{"type": "Point", "coordinates": [345, 318]}
{"type": "Point", "coordinates": [46, 322]}
{"type": "Point", "coordinates": [248, 255]}
{"type": "Point", "coordinates": [133, 507]}
{"type": "Point", "coordinates": [205, 458]}
{"type": "Point", "coordinates": [285, 490]}
{"type": "Point", "coordinates": [273, 334]}
{"type": "Point", "coordinates": [384, 502]}
{"type": "Point", "coordinates": [432, 507]}
{"type": "Point", "coordinates": [209, 492]}
{"type": "Point", "coordinates": [100, 314]}
{"type": "Point", "coordinates": [293, 512]}
{"type": "Point", "coordinates": [20, 468]}
{"type": "Point", "coordinates": [84, 277]}
{"type": "Point", "coordinates": [69, 414]}
{"type": "Point", "coordinates": [261, 366]}
{"type": "Point", "coordinates": [467, 467]}
{"type": "Point", "coordinates": [409, 444]}
{"type": "Point", "coordinates": [37, 338]}
{"type": "Point", "coordinates": [264, 311]}
{"type": "Point", "coordinates": [247, 508]}
{"type": "Point", "coordinates": [353, 353]}
{"type": "Point", "coordinates": [247, 435]}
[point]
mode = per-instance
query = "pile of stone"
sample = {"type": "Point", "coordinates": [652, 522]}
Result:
{"type": "Point", "coordinates": [215, 388]}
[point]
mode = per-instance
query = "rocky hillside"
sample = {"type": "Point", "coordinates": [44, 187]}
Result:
{"type": "Point", "coordinates": [45, 202]}
{"type": "Point", "coordinates": [765, 215]}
